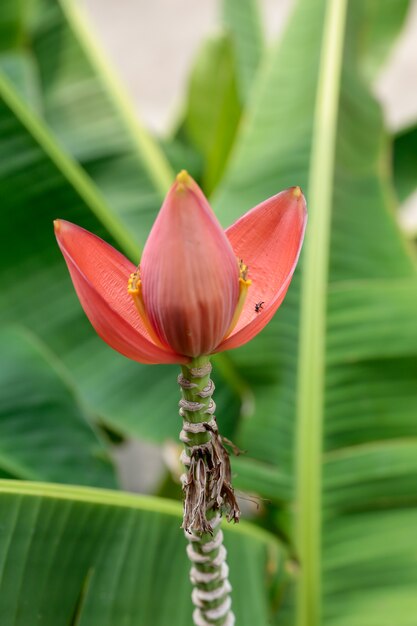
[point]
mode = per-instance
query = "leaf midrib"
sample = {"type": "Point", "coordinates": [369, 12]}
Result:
{"type": "Point", "coordinates": [107, 497]}
{"type": "Point", "coordinates": [310, 407]}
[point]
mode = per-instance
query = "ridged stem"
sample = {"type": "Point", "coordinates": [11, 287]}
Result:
{"type": "Point", "coordinates": [207, 494]}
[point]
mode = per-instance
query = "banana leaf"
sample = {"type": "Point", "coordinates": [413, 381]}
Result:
{"type": "Point", "coordinates": [45, 433]}
{"type": "Point", "coordinates": [90, 557]}
{"type": "Point", "coordinates": [342, 351]}
{"type": "Point", "coordinates": [327, 392]}
{"type": "Point", "coordinates": [405, 162]}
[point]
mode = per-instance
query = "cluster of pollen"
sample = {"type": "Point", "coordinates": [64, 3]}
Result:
{"type": "Point", "coordinates": [134, 289]}
{"type": "Point", "coordinates": [133, 285]}
{"type": "Point", "coordinates": [243, 273]}
{"type": "Point", "coordinates": [244, 284]}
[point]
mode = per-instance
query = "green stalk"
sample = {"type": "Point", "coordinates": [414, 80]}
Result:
{"type": "Point", "coordinates": [208, 493]}
{"type": "Point", "coordinates": [311, 375]}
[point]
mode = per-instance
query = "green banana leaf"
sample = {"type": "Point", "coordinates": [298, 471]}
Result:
{"type": "Point", "coordinates": [218, 89]}
{"type": "Point", "coordinates": [405, 162]}
{"type": "Point", "coordinates": [382, 21]}
{"type": "Point", "coordinates": [87, 557]}
{"type": "Point", "coordinates": [327, 392]}
{"type": "Point", "coordinates": [213, 108]}
{"type": "Point", "coordinates": [44, 432]}
{"type": "Point", "coordinates": [57, 68]}
{"type": "Point", "coordinates": [242, 20]}
{"type": "Point", "coordinates": [341, 422]}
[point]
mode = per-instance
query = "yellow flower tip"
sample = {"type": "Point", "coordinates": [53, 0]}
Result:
{"type": "Point", "coordinates": [297, 193]}
{"type": "Point", "coordinates": [183, 180]}
{"type": "Point", "coordinates": [57, 226]}
{"type": "Point", "coordinates": [183, 177]}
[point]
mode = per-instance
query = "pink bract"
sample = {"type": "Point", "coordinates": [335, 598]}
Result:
{"type": "Point", "coordinates": [189, 276]}
{"type": "Point", "coordinates": [189, 273]}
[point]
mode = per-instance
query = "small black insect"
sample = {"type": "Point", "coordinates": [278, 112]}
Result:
{"type": "Point", "coordinates": [259, 306]}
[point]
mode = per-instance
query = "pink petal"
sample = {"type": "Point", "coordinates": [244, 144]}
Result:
{"type": "Point", "coordinates": [268, 239]}
{"type": "Point", "coordinates": [100, 275]}
{"type": "Point", "coordinates": [189, 272]}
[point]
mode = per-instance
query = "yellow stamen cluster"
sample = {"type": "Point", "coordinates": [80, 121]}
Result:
{"type": "Point", "coordinates": [243, 272]}
{"type": "Point", "coordinates": [244, 284]}
{"type": "Point", "coordinates": [133, 284]}
{"type": "Point", "coordinates": [134, 288]}
{"type": "Point", "coordinates": [244, 281]}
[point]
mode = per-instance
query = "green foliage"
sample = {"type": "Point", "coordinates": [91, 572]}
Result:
{"type": "Point", "coordinates": [44, 432]}
{"type": "Point", "coordinates": [71, 148]}
{"type": "Point", "coordinates": [357, 403]}
{"type": "Point", "coordinates": [10, 33]}
{"type": "Point", "coordinates": [381, 22]}
{"type": "Point", "coordinates": [242, 19]}
{"type": "Point", "coordinates": [405, 162]}
{"type": "Point", "coordinates": [99, 558]}
{"type": "Point", "coordinates": [213, 110]}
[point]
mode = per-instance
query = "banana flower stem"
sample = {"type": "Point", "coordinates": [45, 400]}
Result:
{"type": "Point", "coordinates": [208, 495]}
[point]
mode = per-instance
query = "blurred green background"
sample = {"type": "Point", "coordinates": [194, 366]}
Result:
{"type": "Point", "coordinates": [324, 400]}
